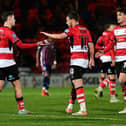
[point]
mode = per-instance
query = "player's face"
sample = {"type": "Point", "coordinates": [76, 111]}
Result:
{"type": "Point", "coordinates": [69, 21]}
{"type": "Point", "coordinates": [12, 20]}
{"type": "Point", "coordinates": [121, 17]}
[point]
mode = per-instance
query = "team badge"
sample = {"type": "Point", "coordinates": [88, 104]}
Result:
{"type": "Point", "coordinates": [67, 31]}
{"type": "Point", "coordinates": [14, 36]}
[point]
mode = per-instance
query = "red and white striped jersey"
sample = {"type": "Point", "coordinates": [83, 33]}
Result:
{"type": "Point", "coordinates": [106, 42]}
{"type": "Point", "coordinates": [7, 39]}
{"type": "Point", "coordinates": [6, 52]}
{"type": "Point", "coordinates": [79, 37]}
{"type": "Point", "coordinates": [120, 35]}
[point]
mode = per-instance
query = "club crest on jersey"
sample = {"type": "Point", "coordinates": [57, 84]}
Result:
{"type": "Point", "coordinates": [14, 36]}
{"type": "Point", "coordinates": [67, 31]}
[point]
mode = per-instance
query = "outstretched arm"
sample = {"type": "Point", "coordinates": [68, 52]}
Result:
{"type": "Point", "coordinates": [55, 36]}
{"type": "Point", "coordinates": [22, 45]}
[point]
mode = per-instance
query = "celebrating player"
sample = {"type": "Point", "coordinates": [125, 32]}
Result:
{"type": "Point", "coordinates": [80, 44]}
{"type": "Point", "coordinates": [8, 68]}
{"type": "Point", "coordinates": [120, 35]}
{"type": "Point", "coordinates": [108, 63]}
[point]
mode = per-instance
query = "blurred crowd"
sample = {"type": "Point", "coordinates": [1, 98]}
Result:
{"type": "Point", "coordinates": [33, 16]}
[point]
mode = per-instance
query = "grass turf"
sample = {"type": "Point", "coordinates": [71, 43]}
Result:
{"type": "Point", "coordinates": [49, 111]}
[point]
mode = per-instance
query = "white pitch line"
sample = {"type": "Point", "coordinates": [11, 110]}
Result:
{"type": "Point", "coordinates": [71, 117]}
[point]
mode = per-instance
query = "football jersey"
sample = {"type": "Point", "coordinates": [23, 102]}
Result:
{"type": "Point", "coordinates": [7, 39]}
{"type": "Point", "coordinates": [6, 51]}
{"type": "Point", "coordinates": [106, 42]}
{"type": "Point", "coordinates": [120, 35]}
{"type": "Point", "coordinates": [99, 44]}
{"type": "Point", "coordinates": [79, 37]}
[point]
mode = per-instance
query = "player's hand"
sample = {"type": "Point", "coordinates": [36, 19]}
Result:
{"type": "Point", "coordinates": [98, 54]}
{"type": "Point", "coordinates": [91, 63]}
{"type": "Point", "coordinates": [101, 51]}
{"type": "Point", "coordinates": [41, 43]}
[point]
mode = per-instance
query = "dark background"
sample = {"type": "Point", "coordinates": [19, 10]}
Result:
{"type": "Point", "coordinates": [33, 16]}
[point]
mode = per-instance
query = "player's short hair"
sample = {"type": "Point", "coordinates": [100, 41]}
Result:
{"type": "Point", "coordinates": [73, 15]}
{"type": "Point", "coordinates": [106, 26]}
{"type": "Point", "coordinates": [122, 8]}
{"type": "Point", "coordinates": [5, 14]}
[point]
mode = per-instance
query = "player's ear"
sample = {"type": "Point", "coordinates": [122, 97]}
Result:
{"type": "Point", "coordinates": [9, 18]}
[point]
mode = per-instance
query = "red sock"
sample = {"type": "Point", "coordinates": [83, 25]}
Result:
{"type": "Point", "coordinates": [112, 86]}
{"type": "Point", "coordinates": [104, 83]}
{"type": "Point", "coordinates": [101, 79]}
{"type": "Point", "coordinates": [72, 96]}
{"type": "Point", "coordinates": [124, 92]}
{"type": "Point", "coordinates": [80, 95]}
{"type": "Point", "coordinates": [21, 104]}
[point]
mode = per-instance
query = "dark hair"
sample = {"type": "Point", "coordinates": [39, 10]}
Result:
{"type": "Point", "coordinates": [73, 15]}
{"type": "Point", "coordinates": [5, 14]}
{"type": "Point", "coordinates": [106, 26]}
{"type": "Point", "coordinates": [122, 8]}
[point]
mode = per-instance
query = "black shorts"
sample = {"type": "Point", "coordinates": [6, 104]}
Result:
{"type": "Point", "coordinates": [47, 68]}
{"type": "Point", "coordinates": [121, 67]}
{"type": "Point", "coordinates": [76, 72]}
{"type": "Point", "coordinates": [107, 68]}
{"type": "Point", "coordinates": [9, 73]}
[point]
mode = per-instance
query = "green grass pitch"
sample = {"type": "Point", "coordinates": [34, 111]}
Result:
{"type": "Point", "coordinates": [49, 111]}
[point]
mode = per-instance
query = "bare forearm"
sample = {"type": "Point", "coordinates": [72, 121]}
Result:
{"type": "Point", "coordinates": [55, 36]}
{"type": "Point", "coordinates": [91, 49]}
{"type": "Point", "coordinates": [37, 57]}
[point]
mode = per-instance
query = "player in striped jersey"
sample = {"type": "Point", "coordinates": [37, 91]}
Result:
{"type": "Point", "coordinates": [80, 44]}
{"type": "Point", "coordinates": [108, 63]}
{"type": "Point", "coordinates": [8, 68]}
{"type": "Point", "coordinates": [120, 57]}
